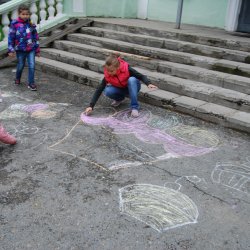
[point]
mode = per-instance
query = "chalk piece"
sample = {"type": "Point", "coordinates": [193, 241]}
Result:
{"type": "Point", "coordinates": [13, 70]}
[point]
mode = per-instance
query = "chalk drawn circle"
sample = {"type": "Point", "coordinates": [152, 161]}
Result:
{"type": "Point", "coordinates": [159, 207]}
{"type": "Point", "coordinates": [195, 136]}
{"type": "Point", "coordinates": [43, 114]}
{"type": "Point", "coordinates": [169, 120]}
{"type": "Point", "coordinates": [12, 114]}
{"type": "Point", "coordinates": [125, 116]}
{"type": "Point", "coordinates": [23, 129]}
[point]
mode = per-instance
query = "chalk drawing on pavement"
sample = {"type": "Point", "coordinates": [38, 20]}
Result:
{"type": "Point", "coordinates": [12, 114]}
{"type": "Point", "coordinates": [233, 175]}
{"type": "Point", "coordinates": [159, 207]}
{"type": "Point", "coordinates": [193, 179]}
{"type": "Point", "coordinates": [65, 152]}
{"type": "Point", "coordinates": [167, 121]}
{"type": "Point", "coordinates": [43, 114]}
{"type": "Point", "coordinates": [29, 137]}
{"type": "Point", "coordinates": [195, 136]}
{"type": "Point", "coordinates": [176, 145]}
{"type": "Point", "coordinates": [36, 110]}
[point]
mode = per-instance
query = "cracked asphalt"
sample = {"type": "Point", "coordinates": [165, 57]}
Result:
{"type": "Point", "coordinates": [61, 186]}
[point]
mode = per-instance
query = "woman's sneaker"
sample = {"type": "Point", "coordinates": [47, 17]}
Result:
{"type": "Point", "coordinates": [32, 87]}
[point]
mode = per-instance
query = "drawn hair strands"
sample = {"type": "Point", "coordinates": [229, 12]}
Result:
{"type": "Point", "coordinates": [159, 207]}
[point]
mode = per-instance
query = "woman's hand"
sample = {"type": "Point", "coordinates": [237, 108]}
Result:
{"type": "Point", "coordinates": [88, 111]}
{"type": "Point", "coordinates": [152, 86]}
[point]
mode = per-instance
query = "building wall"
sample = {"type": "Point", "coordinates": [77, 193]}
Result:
{"type": "Point", "coordinates": [112, 8]}
{"type": "Point", "coordinates": [199, 12]}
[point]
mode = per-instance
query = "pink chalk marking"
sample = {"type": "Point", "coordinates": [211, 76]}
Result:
{"type": "Point", "coordinates": [35, 107]}
{"type": "Point", "coordinates": [122, 123]}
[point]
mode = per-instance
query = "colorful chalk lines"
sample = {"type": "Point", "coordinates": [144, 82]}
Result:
{"type": "Point", "coordinates": [162, 208]}
{"type": "Point", "coordinates": [23, 110]}
{"type": "Point", "coordinates": [28, 135]}
{"type": "Point", "coordinates": [233, 175]}
{"type": "Point", "coordinates": [145, 140]}
{"type": "Point", "coordinates": [164, 138]}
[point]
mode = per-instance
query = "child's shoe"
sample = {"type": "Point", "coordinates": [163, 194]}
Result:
{"type": "Point", "coordinates": [134, 113]}
{"type": "Point", "coordinates": [116, 103]}
{"type": "Point", "coordinates": [6, 138]}
{"type": "Point", "coordinates": [32, 87]}
{"type": "Point", "coordinates": [17, 82]}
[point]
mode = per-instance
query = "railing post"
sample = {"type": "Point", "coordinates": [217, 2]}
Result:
{"type": "Point", "coordinates": [14, 14]}
{"type": "Point", "coordinates": [51, 9]}
{"type": "Point", "coordinates": [179, 14]}
{"type": "Point", "coordinates": [5, 23]}
{"type": "Point", "coordinates": [59, 8]}
{"type": "Point", "coordinates": [33, 10]}
{"type": "Point", "coordinates": [43, 13]}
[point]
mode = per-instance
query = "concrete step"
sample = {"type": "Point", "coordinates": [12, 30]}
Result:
{"type": "Point", "coordinates": [209, 111]}
{"type": "Point", "coordinates": [198, 90]}
{"type": "Point", "coordinates": [225, 80]}
{"type": "Point", "coordinates": [231, 67]}
{"type": "Point", "coordinates": [140, 27]}
{"type": "Point", "coordinates": [171, 44]}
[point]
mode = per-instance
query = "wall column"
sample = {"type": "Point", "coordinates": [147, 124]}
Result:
{"type": "Point", "coordinates": [233, 11]}
{"type": "Point", "coordinates": [142, 9]}
{"type": "Point", "coordinates": [75, 8]}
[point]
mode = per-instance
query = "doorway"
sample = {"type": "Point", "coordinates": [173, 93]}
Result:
{"type": "Point", "coordinates": [244, 17]}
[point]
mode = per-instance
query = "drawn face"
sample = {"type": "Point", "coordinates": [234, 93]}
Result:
{"type": "Point", "coordinates": [24, 15]}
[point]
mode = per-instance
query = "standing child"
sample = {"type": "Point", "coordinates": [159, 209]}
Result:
{"type": "Point", "coordinates": [120, 80]}
{"type": "Point", "coordinates": [23, 41]}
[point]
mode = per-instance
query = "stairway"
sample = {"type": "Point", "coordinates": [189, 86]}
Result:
{"type": "Point", "coordinates": [202, 76]}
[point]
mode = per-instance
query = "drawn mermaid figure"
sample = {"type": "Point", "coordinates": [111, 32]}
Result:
{"type": "Point", "coordinates": [122, 123]}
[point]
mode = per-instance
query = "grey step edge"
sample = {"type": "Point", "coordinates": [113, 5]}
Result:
{"type": "Point", "coordinates": [225, 80]}
{"type": "Point", "coordinates": [176, 45]}
{"type": "Point", "coordinates": [182, 35]}
{"type": "Point", "coordinates": [202, 91]}
{"type": "Point", "coordinates": [211, 112]}
{"type": "Point", "coordinates": [231, 67]}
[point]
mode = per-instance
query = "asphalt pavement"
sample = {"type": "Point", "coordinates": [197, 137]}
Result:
{"type": "Point", "coordinates": [163, 180]}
